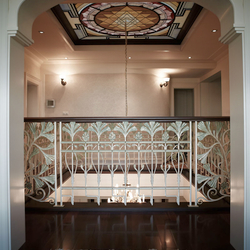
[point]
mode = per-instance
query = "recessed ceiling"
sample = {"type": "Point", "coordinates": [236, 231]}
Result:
{"type": "Point", "coordinates": [141, 22]}
{"type": "Point", "coordinates": [54, 45]}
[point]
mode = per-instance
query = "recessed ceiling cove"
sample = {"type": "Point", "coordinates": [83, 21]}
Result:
{"type": "Point", "coordinates": [143, 22]}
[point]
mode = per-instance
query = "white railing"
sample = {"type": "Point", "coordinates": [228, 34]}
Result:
{"type": "Point", "coordinates": [127, 160]}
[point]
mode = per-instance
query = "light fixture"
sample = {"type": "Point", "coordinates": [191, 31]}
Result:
{"type": "Point", "coordinates": [40, 31]}
{"type": "Point", "coordinates": [128, 194]}
{"type": "Point", "coordinates": [166, 82]}
{"type": "Point", "coordinates": [66, 58]}
{"type": "Point", "coordinates": [189, 57]}
{"type": "Point", "coordinates": [63, 82]}
{"type": "Point", "coordinates": [214, 30]}
{"type": "Point", "coordinates": [126, 68]}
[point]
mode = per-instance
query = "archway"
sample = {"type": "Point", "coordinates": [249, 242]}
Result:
{"type": "Point", "coordinates": [27, 13]}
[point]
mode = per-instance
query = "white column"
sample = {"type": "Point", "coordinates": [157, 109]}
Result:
{"type": "Point", "coordinates": [239, 75]}
{"type": "Point", "coordinates": [12, 216]}
{"type": "Point", "coordinates": [246, 79]}
{"type": "Point", "coordinates": [16, 152]}
{"type": "Point", "coordinates": [237, 142]}
{"type": "Point", "coordinates": [5, 237]}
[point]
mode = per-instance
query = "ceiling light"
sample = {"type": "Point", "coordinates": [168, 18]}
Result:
{"type": "Point", "coordinates": [129, 57]}
{"type": "Point", "coordinates": [189, 57]}
{"type": "Point", "coordinates": [66, 58]}
{"type": "Point", "coordinates": [165, 50]}
{"type": "Point", "coordinates": [214, 30]}
{"type": "Point", "coordinates": [40, 31]}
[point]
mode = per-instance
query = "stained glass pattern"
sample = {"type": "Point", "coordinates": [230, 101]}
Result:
{"type": "Point", "coordinates": [141, 20]}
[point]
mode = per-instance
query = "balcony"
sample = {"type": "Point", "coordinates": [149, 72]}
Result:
{"type": "Point", "coordinates": [127, 160]}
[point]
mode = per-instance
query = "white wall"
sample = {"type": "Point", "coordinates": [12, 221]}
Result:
{"type": "Point", "coordinates": [104, 95]}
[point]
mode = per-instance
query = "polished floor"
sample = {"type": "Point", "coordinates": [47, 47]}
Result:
{"type": "Point", "coordinates": [127, 230]}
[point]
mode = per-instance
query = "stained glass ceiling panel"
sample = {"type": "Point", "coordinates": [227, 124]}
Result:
{"type": "Point", "coordinates": [144, 22]}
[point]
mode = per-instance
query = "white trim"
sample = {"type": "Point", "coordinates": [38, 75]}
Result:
{"type": "Point", "coordinates": [37, 82]}
{"type": "Point", "coordinates": [246, 85]}
{"type": "Point", "coordinates": [231, 35]}
{"type": "Point", "coordinates": [34, 56]}
{"type": "Point", "coordinates": [20, 38]}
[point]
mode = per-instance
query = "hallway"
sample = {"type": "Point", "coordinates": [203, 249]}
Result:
{"type": "Point", "coordinates": [127, 230]}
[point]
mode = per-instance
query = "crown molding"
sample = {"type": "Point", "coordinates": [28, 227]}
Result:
{"type": "Point", "coordinates": [32, 78]}
{"type": "Point", "coordinates": [20, 37]}
{"type": "Point", "coordinates": [232, 34]}
{"type": "Point", "coordinates": [32, 56]}
{"type": "Point", "coordinates": [194, 64]}
{"type": "Point", "coordinates": [219, 53]}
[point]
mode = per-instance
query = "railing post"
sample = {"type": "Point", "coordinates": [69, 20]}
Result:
{"type": "Point", "coordinates": [190, 163]}
{"type": "Point", "coordinates": [195, 162]}
{"type": "Point", "coordinates": [55, 152]}
{"type": "Point", "coordinates": [60, 154]}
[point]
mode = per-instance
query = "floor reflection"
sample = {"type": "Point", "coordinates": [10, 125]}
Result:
{"type": "Point", "coordinates": [170, 230]}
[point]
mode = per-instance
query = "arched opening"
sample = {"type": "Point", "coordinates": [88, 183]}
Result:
{"type": "Point", "coordinates": [44, 7]}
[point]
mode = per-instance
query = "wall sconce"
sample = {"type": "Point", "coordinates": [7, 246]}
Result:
{"type": "Point", "coordinates": [63, 82]}
{"type": "Point", "coordinates": [166, 82]}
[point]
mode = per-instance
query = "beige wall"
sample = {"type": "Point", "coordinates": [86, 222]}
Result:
{"type": "Point", "coordinates": [223, 67]}
{"type": "Point", "coordinates": [32, 64]}
{"type": "Point", "coordinates": [104, 95]}
{"type": "Point", "coordinates": [211, 98]}
{"type": "Point", "coordinates": [32, 76]}
{"type": "Point", "coordinates": [94, 90]}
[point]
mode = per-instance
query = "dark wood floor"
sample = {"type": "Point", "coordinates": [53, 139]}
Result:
{"type": "Point", "coordinates": [127, 230]}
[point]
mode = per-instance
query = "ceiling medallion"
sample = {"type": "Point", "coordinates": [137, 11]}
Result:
{"type": "Point", "coordinates": [141, 18]}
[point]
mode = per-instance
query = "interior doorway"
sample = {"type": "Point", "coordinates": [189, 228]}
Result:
{"type": "Point", "coordinates": [184, 102]}
{"type": "Point", "coordinates": [32, 100]}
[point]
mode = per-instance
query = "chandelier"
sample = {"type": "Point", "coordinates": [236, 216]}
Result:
{"type": "Point", "coordinates": [130, 195]}
{"type": "Point", "coordinates": [126, 195]}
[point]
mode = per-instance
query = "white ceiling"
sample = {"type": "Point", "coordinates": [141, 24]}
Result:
{"type": "Point", "coordinates": [54, 45]}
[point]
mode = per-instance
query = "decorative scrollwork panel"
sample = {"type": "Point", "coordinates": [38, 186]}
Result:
{"type": "Point", "coordinates": [213, 160]}
{"type": "Point", "coordinates": [39, 157]}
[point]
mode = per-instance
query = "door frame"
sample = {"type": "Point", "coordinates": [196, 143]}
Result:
{"type": "Point", "coordinates": [34, 81]}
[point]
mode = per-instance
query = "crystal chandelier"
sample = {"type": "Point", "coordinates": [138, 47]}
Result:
{"type": "Point", "coordinates": [131, 196]}
{"type": "Point", "coordinates": [126, 195]}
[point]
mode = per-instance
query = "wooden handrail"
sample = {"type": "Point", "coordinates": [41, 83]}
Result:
{"type": "Point", "coordinates": [138, 119]}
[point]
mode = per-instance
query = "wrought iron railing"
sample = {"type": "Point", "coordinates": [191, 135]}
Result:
{"type": "Point", "coordinates": [127, 159]}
